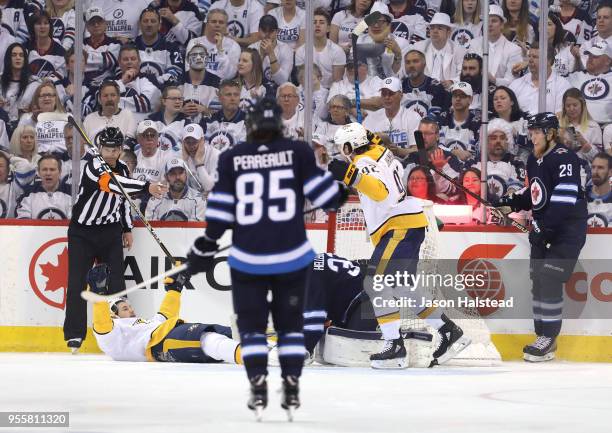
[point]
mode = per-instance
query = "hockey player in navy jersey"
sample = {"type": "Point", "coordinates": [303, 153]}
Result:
{"type": "Point", "coordinates": [262, 186]}
{"type": "Point", "coordinates": [557, 200]}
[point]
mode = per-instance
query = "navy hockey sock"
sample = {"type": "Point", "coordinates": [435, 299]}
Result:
{"type": "Point", "coordinates": [254, 353]}
{"type": "Point", "coordinates": [291, 353]}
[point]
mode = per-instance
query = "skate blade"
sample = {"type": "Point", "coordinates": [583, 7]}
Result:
{"type": "Point", "coordinates": [389, 364]}
{"type": "Point", "coordinates": [290, 412]}
{"type": "Point", "coordinates": [453, 351]}
{"type": "Point", "coordinates": [534, 358]}
{"type": "Point", "coordinates": [74, 350]}
{"type": "Point", "coordinates": [258, 411]}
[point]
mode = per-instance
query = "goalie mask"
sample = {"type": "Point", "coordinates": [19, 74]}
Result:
{"type": "Point", "coordinates": [351, 137]}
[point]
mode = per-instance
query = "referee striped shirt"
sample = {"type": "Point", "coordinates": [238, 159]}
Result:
{"type": "Point", "coordinates": [100, 201]}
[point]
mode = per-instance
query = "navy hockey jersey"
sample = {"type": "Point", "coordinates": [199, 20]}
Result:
{"type": "Point", "coordinates": [463, 136]}
{"type": "Point", "coordinates": [428, 98]}
{"type": "Point", "coordinates": [555, 194]}
{"type": "Point", "coordinates": [260, 195]}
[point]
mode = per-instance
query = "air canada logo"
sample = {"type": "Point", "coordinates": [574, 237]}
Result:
{"type": "Point", "coordinates": [48, 272]}
{"type": "Point", "coordinates": [472, 262]}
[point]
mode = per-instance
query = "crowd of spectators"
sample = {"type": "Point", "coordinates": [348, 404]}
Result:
{"type": "Point", "coordinates": [176, 77]}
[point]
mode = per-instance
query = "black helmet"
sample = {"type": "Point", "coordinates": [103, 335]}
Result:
{"type": "Point", "coordinates": [109, 137]}
{"type": "Point", "coordinates": [264, 119]}
{"type": "Point", "coordinates": [544, 121]}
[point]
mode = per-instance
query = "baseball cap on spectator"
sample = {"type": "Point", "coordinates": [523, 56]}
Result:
{"type": "Point", "coordinates": [464, 87]}
{"type": "Point", "coordinates": [193, 130]}
{"type": "Point", "coordinates": [317, 138]}
{"type": "Point", "coordinates": [441, 19]}
{"type": "Point", "coordinates": [601, 48]}
{"type": "Point", "coordinates": [497, 11]}
{"type": "Point", "coordinates": [268, 23]}
{"type": "Point", "coordinates": [379, 6]}
{"type": "Point", "coordinates": [174, 163]}
{"type": "Point", "coordinates": [145, 125]}
{"type": "Point", "coordinates": [391, 83]}
{"type": "Point", "coordinates": [92, 13]}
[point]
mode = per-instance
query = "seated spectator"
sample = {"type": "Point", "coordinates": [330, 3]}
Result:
{"type": "Point", "coordinates": [110, 115]}
{"type": "Point", "coordinates": [151, 159]}
{"type": "Point", "coordinates": [293, 115]}
{"type": "Point", "coordinates": [170, 121]}
{"type": "Point", "coordinates": [581, 133]}
{"type": "Point", "coordinates": [319, 93]}
{"type": "Point", "coordinates": [471, 73]}
{"type": "Point", "coordinates": [244, 16]}
{"type": "Point", "coordinates": [506, 107]}
{"type": "Point", "coordinates": [4, 131]}
{"type": "Point", "coordinates": [443, 56]}
{"type": "Point", "coordinates": [181, 20]}
{"type": "Point", "coordinates": [394, 123]}
{"type": "Point", "coordinates": [384, 52]}
{"type": "Point", "coordinates": [603, 32]}
{"type": "Point", "coordinates": [160, 61]}
{"type": "Point", "coordinates": [339, 108]}
{"type": "Point", "coordinates": [327, 55]}
{"type": "Point", "coordinates": [122, 18]}
{"type": "Point", "coordinates": [344, 21]}
{"type": "Point", "coordinates": [599, 194]}
{"type": "Point", "coordinates": [49, 135]}
{"type": "Point", "coordinates": [607, 139]}
{"type": "Point", "coordinates": [277, 57]}
{"type": "Point", "coordinates": [17, 84]}
{"type": "Point", "coordinates": [138, 93]}
{"type": "Point", "coordinates": [222, 52]}
{"type": "Point", "coordinates": [291, 23]}
{"type": "Point", "coordinates": [13, 17]}
{"type": "Point", "coordinates": [102, 50]}
{"type": "Point", "coordinates": [468, 24]}
{"type": "Point", "coordinates": [421, 184]}
{"type": "Point", "coordinates": [46, 55]}
{"type": "Point", "coordinates": [200, 86]}
{"type": "Point", "coordinates": [226, 127]}
{"type": "Point", "coordinates": [250, 77]}
{"type": "Point", "coordinates": [201, 159]}
{"type": "Point", "coordinates": [595, 81]}
{"type": "Point", "coordinates": [130, 159]}
{"type": "Point", "coordinates": [66, 174]}
{"type": "Point", "coordinates": [6, 40]}
{"type": "Point", "coordinates": [62, 21]}
{"type": "Point", "coordinates": [369, 88]}
{"type": "Point", "coordinates": [320, 146]}
{"type": "Point", "coordinates": [503, 170]}
{"type": "Point", "coordinates": [576, 21]}
{"type": "Point", "coordinates": [65, 87]}
{"type": "Point", "coordinates": [503, 54]}
{"type": "Point", "coordinates": [180, 203]}
{"type": "Point", "coordinates": [23, 143]}
{"type": "Point", "coordinates": [470, 179]}
{"type": "Point", "coordinates": [9, 191]}
{"type": "Point", "coordinates": [519, 28]}
{"type": "Point", "coordinates": [46, 199]}
{"type": "Point", "coordinates": [527, 88]}
{"type": "Point", "coordinates": [558, 39]}
{"type": "Point", "coordinates": [409, 20]}
{"type": "Point", "coordinates": [422, 94]}
{"type": "Point", "coordinates": [460, 127]}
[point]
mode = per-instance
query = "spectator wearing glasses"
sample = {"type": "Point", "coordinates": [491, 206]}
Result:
{"type": "Point", "coordinates": [292, 115]}
{"type": "Point", "coordinates": [170, 120]}
{"type": "Point", "coordinates": [338, 107]}
{"type": "Point", "coordinates": [102, 50]}
{"type": "Point", "coordinates": [420, 184]}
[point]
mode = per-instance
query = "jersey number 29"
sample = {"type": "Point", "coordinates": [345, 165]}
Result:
{"type": "Point", "coordinates": [250, 189]}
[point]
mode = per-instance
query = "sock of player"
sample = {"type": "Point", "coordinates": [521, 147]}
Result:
{"type": "Point", "coordinates": [390, 325]}
{"type": "Point", "coordinates": [254, 350]}
{"type": "Point", "coordinates": [314, 326]}
{"type": "Point", "coordinates": [291, 353]}
{"type": "Point", "coordinates": [220, 347]}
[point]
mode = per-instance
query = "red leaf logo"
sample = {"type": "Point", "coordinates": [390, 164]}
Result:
{"type": "Point", "coordinates": [54, 271]}
{"type": "Point", "coordinates": [57, 275]}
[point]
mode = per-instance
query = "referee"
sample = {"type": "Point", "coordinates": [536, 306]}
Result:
{"type": "Point", "coordinates": [99, 229]}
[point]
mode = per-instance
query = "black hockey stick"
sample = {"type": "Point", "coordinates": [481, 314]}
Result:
{"type": "Point", "coordinates": [424, 160]}
{"type": "Point", "coordinates": [66, 117]}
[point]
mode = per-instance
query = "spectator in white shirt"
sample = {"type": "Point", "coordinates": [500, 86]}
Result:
{"type": "Point", "coordinates": [443, 57]}
{"type": "Point", "coordinates": [327, 55]}
{"type": "Point", "coordinates": [595, 83]}
{"type": "Point", "coordinates": [582, 134]}
{"type": "Point", "coordinates": [319, 93]}
{"type": "Point", "coordinates": [250, 77]}
{"type": "Point", "coordinates": [503, 54]}
{"type": "Point", "coordinates": [607, 139]}
{"type": "Point", "coordinates": [291, 22]}
{"type": "Point", "coordinates": [527, 88]}
{"type": "Point", "coordinates": [201, 159]}
{"type": "Point", "coordinates": [151, 159]}
{"type": "Point", "coordinates": [344, 22]}
{"type": "Point", "coordinates": [170, 120]}
{"type": "Point", "coordinates": [369, 88]}
{"type": "Point", "coordinates": [277, 57]}
{"type": "Point", "coordinates": [518, 28]}
{"type": "Point", "coordinates": [603, 31]}
{"type": "Point", "coordinates": [293, 116]}
{"type": "Point", "coordinates": [244, 16]}
{"type": "Point", "coordinates": [339, 107]}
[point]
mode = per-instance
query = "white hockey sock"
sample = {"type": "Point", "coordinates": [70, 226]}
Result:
{"type": "Point", "coordinates": [434, 318]}
{"type": "Point", "coordinates": [390, 330]}
{"type": "Point", "coordinates": [219, 347]}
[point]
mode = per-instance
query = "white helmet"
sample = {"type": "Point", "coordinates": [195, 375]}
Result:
{"type": "Point", "coordinates": [351, 137]}
{"type": "Point", "coordinates": [114, 302]}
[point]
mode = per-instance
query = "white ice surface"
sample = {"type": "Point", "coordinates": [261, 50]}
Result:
{"type": "Point", "coordinates": [107, 396]}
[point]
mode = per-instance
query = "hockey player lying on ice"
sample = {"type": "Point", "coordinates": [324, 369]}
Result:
{"type": "Point", "coordinates": [166, 338]}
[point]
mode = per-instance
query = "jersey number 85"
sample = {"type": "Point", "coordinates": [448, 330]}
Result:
{"type": "Point", "coordinates": [250, 190]}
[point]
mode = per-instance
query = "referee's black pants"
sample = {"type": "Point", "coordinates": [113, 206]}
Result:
{"type": "Point", "coordinates": [103, 244]}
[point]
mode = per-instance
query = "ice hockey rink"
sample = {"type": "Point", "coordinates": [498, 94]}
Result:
{"type": "Point", "coordinates": [107, 396]}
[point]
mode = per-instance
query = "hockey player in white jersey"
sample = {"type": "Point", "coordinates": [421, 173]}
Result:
{"type": "Point", "coordinates": [165, 337]}
{"type": "Point", "coordinates": [396, 225]}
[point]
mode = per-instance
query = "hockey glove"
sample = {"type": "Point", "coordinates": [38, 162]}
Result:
{"type": "Point", "coordinates": [343, 171]}
{"type": "Point", "coordinates": [98, 279]}
{"type": "Point", "coordinates": [540, 235]}
{"type": "Point", "coordinates": [508, 204]}
{"type": "Point", "coordinates": [178, 281]}
{"type": "Point", "coordinates": [201, 256]}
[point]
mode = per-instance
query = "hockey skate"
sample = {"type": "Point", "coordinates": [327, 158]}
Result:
{"type": "Point", "coordinates": [541, 350]}
{"type": "Point", "coordinates": [259, 396]}
{"type": "Point", "coordinates": [291, 396]}
{"type": "Point", "coordinates": [393, 355]}
{"type": "Point", "coordinates": [74, 344]}
{"type": "Point", "coordinates": [452, 342]}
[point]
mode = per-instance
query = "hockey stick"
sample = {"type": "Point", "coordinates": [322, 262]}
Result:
{"type": "Point", "coordinates": [424, 160]}
{"type": "Point", "coordinates": [66, 117]}
{"type": "Point", "coordinates": [90, 296]}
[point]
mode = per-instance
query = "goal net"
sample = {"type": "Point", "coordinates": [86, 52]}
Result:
{"type": "Point", "coordinates": [347, 237]}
